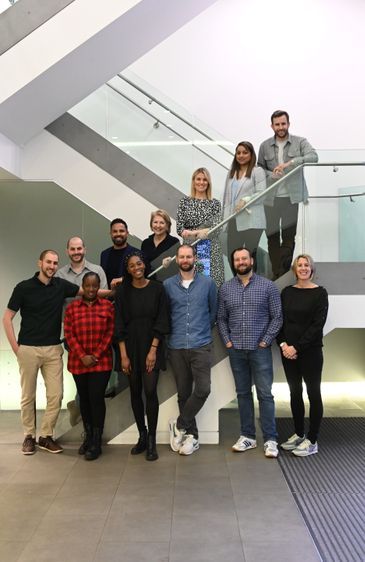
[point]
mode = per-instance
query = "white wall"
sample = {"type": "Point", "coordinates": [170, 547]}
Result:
{"type": "Point", "coordinates": [241, 59]}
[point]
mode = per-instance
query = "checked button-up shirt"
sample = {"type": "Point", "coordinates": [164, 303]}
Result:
{"type": "Point", "coordinates": [89, 331]}
{"type": "Point", "coordinates": [248, 315]}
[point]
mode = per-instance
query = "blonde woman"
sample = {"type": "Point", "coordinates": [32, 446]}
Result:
{"type": "Point", "coordinates": [195, 216]}
{"type": "Point", "coordinates": [305, 307]}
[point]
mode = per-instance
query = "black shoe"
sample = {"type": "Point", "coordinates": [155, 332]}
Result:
{"type": "Point", "coordinates": [94, 451]}
{"type": "Point", "coordinates": [141, 444]}
{"type": "Point", "coordinates": [87, 435]}
{"type": "Point", "coordinates": [151, 453]}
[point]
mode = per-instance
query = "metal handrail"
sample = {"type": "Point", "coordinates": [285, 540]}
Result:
{"type": "Point", "coordinates": [153, 99]}
{"type": "Point", "coordinates": [272, 187]}
{"type": "Point", "coordinates": [165, 125]}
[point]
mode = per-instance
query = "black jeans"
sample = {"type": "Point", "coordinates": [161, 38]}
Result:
{"type": "Point", "coordinates": [281, 228]}
{"type": "Point", "coordinates": [147, 382]}
{"type": "Point", "coordinates": [91, 389]}
{"type": "Point", "coordinates": [307, 367]}
{"type": "Point", "coordinates": [192, 374]}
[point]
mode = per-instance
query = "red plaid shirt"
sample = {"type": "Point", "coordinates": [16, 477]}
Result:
{"type": "Point", "coordinates": [89, 331]}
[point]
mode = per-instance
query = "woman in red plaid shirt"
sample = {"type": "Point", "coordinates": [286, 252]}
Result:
{"type": "Point", "coordinates": [89, 328]}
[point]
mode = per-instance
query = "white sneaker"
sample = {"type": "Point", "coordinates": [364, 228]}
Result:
{"type": "Point", "coordinates": [243, 444]}
{"type": "Point", "coordinates": [292, 442]}
{"type": "Point", "coordinates": [176, 436]}
{"type": "Point", "coordinates": [190, 444]}
{"type": "Point", "coordinates": [306, 448]}
{"type": "Point", "coordinates": [271, 449]}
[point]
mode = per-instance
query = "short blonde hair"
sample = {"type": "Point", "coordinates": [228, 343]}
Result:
{"type": "Point", "coordinates": [164, 215]}
{"type": "Point", "coordinates": [309, 260]}
{"type": "Point", "coordinates": [205, 172]}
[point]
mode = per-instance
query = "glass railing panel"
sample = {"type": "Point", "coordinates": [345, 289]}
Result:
{"type": "Point", "coordinates": [146, 138]}
{"type": "Point", "coordinates": [341, 155]}
{"type": "Point", "coordinates": [330, 224]}
{"type": "Point", "coordinates": [174, 116]}
{"type": "Point", "coordinates": [330, 227]}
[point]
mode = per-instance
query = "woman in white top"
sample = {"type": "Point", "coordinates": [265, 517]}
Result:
{"type": "Point", "coordinates": [244, 181]}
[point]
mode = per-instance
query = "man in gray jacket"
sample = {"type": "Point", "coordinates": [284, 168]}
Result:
{"type": "Point", "coordinates": [278, 155]}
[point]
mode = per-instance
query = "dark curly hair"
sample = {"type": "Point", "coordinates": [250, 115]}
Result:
{"type": "Point", "coordinates": [134, 253]}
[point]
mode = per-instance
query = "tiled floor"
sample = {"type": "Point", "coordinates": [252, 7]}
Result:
{"type": "Point", "coordinates": [214, 506]}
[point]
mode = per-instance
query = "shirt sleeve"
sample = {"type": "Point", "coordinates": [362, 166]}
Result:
{"type": "Point", "coordinates": [70, 289]}
{"type": "Point", "coordinates": [222, 317]}
{"type": "Point", "coordinates": [213, 304]}
{"type": "Point", "coordinates": [180, 216]}
{"type": "Point", "coordinates": [16, 299]}
{"type": "Point", "coordinates": [307, 153]}
{"type": "Point", "coordinates": [275, 313]}
{"type": "Point", "coordinates": [315, 330]}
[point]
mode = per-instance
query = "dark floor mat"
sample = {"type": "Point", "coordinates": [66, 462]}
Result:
{"type": "Point", "coordinates": [329, 487]}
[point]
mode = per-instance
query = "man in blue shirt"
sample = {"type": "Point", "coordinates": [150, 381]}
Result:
{"type": "Point", "coordinates": [249, 318]}
{"type": "Point", "coordinates": [193, 306]}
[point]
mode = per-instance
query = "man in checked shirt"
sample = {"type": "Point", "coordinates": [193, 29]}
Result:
{"type": "Point", "coordinates": [249, 318]}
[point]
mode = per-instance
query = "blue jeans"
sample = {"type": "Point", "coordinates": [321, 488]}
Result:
{"type": "Point", "coordinates": [254, 367]}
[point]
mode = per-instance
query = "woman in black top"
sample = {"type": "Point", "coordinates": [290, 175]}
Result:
{"type": "Point", "coordinates": [305, 307]}
{"type": "Point", "coordinates": [141, 322]}
{"type": "Point", "coordinates": [161, 240]}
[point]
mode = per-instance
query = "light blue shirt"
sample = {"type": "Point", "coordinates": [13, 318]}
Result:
{"type": "Point", "coordinates": [193, 311]}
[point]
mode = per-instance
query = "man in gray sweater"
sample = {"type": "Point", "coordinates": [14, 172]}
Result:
{"type": "Point", "coordinates": [279, 155]}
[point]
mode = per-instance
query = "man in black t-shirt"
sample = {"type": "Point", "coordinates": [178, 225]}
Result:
{"type": "Point", "coordinates": [40, 302]}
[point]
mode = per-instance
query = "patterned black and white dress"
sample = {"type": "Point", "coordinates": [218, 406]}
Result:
{"type": "Point", "coordinates": [194, 214]}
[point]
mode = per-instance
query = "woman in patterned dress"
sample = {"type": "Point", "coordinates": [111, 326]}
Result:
{"type": "Point", "coordinates": [195, 216]}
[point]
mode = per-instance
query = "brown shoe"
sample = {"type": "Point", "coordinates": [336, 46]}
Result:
{"type": "Point", "coordinates": [28, 447]}
{"type": "Point", "coordinates": [48, 444]}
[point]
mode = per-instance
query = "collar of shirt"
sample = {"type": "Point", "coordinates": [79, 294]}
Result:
{"type": "Point", "coordinates": [80, 302]}
{"type": "Point", "coordinates": [288, 140]}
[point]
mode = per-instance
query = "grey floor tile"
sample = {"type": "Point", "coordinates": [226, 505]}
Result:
{"type": "Point", "coordinates": [270, 515]}
{"type": "Point", "coordinates": [20, 516]}
{"type": "Point", "coordinates": [203, 525]}
{"type": "Point", "coordinates": [92, 504]}
{"type": "Point", "coordinates": [217, 500]}
{"type": "Point", "coordinates": [152, 500]}
{"type": "Point", "coordinates": [58, 548]}
{"type": "Point", "coordinates": [281, 551]}
{"type": "Point", "coordinates": [11, 550]}
{"type": "Point", "coordinates": [133, 552]}
{"type": "Point", "coordinates": [138, 526]}
{"type": "Point", "coordinates": [206, 551]}
{"type": "Point", "coordinates": [76, 487]}
{"type": "Point", "coordinates": [71, 526]}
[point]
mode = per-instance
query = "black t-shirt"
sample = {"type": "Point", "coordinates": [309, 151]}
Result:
{"type": "Point", "coordinates": [40, 308]}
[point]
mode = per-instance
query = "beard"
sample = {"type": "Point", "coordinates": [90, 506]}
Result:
{"type": "Point", "coordinates": [243, 270]}
{"type": "Point", "coordinates": [187, 266]}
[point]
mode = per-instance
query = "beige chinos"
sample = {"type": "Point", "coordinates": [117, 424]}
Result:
{"type": "Point", "coordinates": [48, 359]}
